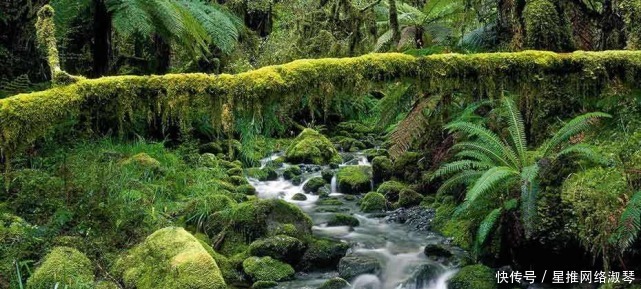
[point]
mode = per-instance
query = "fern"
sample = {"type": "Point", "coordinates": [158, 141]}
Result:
{"type": "Point", "coordinates": [486, 227]}
{"type": "Point", "coordinates": [413, 126]}
{"type": "Point", "coordinates": [585, 151]}
{"type": "Point", "coordinates": [516, 127]}
{"type": "Point", "coordinates": [529, 192]}
{"type": "Point", "coordinates": [629, 224]}
{"type": "Point", "coordinates": [575, 126]}
{"type": "Point", "coordinates": [488, 139]}
{"type": "Point", "coordinates": [463, 178]}
{"type": "Point", "coordinates": [458, 166]}
{"type": "Point", "coordinates": [490, 180]}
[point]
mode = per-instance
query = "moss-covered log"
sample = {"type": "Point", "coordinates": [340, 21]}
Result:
{"type": "Point", "coordinates": [267, 94]}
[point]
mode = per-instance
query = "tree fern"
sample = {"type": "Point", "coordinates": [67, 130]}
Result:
{"type": "Point", "coordinates": [413, 125]}
{"type": "Point", "coordinates": [630, 223]}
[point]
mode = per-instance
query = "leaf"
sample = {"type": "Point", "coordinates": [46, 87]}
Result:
{"type": "Point", "coordinates": [458, 166]}
{"type": "Point", "coordinates": [489, 140]}
{"type": "Point", "coordinates": [489, 181]}
{"type": "Point", "coordinates": [585, 151]}
{"type": "Point", "coordinates": [516, 128]}
{"type": "Point", "coordinates": [529, 193]}
{"type": "Point", "coordinates": [486, 227]}
{"type": "Point", "coordinates": [573, 127]}
{"type": "Point", "coordinates": [629, 223]}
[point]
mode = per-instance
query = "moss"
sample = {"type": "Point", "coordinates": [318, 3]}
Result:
{"type": "Point", "coordinates": [267, 269]}
{"type": "Point", "coordinates": [262, 174]}
{"type": "Point", "coordinates": [235, 172]}
{"type": "Point", "coordinates": [246, 189]}
{"type": "Point", "coordinates": [329, 202]}
{"type": "Point", "coordinates": [391, 190]}
{"type": "Point", "coordinates": [381, 169]}
{"type": "Point", "coordinates": [343, 220]}
{"type": "Point", "coordinates": [313, 185]}
{"type": "Point", "coordinates": [406, 167]}
{"type": "Point", "coordinates": [323, 254]}
{"type": "Point", "coordinates": [63, 266]}
{"type": "Point", "coordinates": [544, 27]}
{"type": "Point", "coordinates": [313, 148]}
{"type": "Point", "coordinates": [106, 285]}
{"type": "Point", "coordinates": [291, 172]}
{"type": "Point", "coordinates": [373, 202]}
{"type": "Point", "coordinates": [281, 247]}
{"type": "Point", "coordinates": [299, 197]}
{"type": "Point", "coordinates": [335, 283]}
{"type": "Point", "coordinates": [632, 18]}
{"type": "Point", "coordinates": [170, 258]}
{"type": "Point", "coordinates": [142, 160]}
{"type": "Point", "coordinates": [473, 277]}
{"type": "Point", "coordinates": [354, 179]}
{"type": "Point", "coordinates": [257, 219]}
{"type": "Point", "coordinates": [264, 284]}
{"type": "Point", "coordinates": [409, 198]}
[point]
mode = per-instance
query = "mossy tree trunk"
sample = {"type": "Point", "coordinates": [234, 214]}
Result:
{"type": "Point", "coordinates": [163, 55]}
{"type": "Point", "coordinates": [393, 22]}
{"type": "Point", "coordinates": [102, 49]}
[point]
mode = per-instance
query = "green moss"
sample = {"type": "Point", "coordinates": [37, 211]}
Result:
{"type": "Point", "coordinates": [381, 169]}
{"type": "Point", "coordinates": [63, 266]}
{"type": "Point", "coordinates": [142, 160]}
{"type": "Point", "coordinates": [391, 190]}
{"type": "Point", "coordinates": [267, 269]}
{"type": "Point", "coordinates": [544, 27]}
{"type": "Point", "coordinates": [343, 220]}
{"type": "Point", "coordinates": [262, 174]}
{"type": "Point", "coordinates": [323, 254]}
{"type": "Point", "coordinates": [335, 283]}
{"type": "Point", "coordinates": [313, 148]}
{"type": "Point", "coordinates": [281, 247]}
{"type": "Point", "coordinates": [299, 197]}
{"type": "Point", "coordinates": [246, 189]}
{"type": "Point", "coordinates": [291, 172]}
{"type": "Point", "coordinates": [354, 179]}
{"type": "Point", "coordinates": [170, 258]}
{"type": "Point", "coordinates": [473, 277]}
{"type": "Point", "coordinates": [46, 35]}
{"type": "Point", "coordinates": [632, 18]}
{"type": "Point", "coordinates": [373, 202]}
{"type": "Point", "coordinates": [106, 285]}
{"type": "Point", "coordinates": [409, 198]}
{"type": "Point", "coordinates": [313, 185]}
{"type": "Point", "coordinates": [329, 202]}
{"type": "Point", "coordinates": [264, 284]}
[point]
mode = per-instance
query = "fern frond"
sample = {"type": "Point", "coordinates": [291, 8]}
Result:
{"type": "Point", "coordinates": [489, 139]}
{"type": "Point", "coordinates": [486, 227]}
{"type": "Point", "coordinates": [489, 181]}
{"type": "Point", "coordinates": [463, 178]}
{"type": "Point", "coordinates": [383, 40]}
{"type": "Point", "coordinates": [529, 194]}
{"type": "Point", "coordinates": [458, 166]}
{"type": "Point", "coordinates": [630, 223]}
{"type": "Point", "coordinates": [585, 151]}
{"type": "Point", "coordinates": [413, 126]}
{"type": "Point", "coordinates": [573, 127]}
{"type": "Point", "coordinates": [221, 26]}
{"type": "Point", "coordinates": [474, 155]}
{"type": "Point", "coordinates": [516, 128]}
{"type": "Point", "coordinates": [397, 100]}
{"type": "Point", "coordinates": [482, 149]}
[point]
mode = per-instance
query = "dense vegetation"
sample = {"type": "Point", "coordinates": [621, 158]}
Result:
{"type": "Point", "coordinates": [129, 130]}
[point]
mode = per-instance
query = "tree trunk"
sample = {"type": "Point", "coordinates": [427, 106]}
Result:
{"type": "Point", "coordinates": [163, 55]}
{"type": "Point", "coordinates": [102, 50]}
{"type": "Point", "coordinates": [393, 22]}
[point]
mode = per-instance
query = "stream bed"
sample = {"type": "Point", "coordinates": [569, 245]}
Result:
{"type": "Point", "coordinates": [398, 247]}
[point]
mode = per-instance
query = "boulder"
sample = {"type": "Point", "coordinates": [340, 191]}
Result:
{"type": "Point", "coordinates": [473, 277]}
{"type": "Point", "coordinates": [381, 169]}
{"type": "Point", "coordinates": [264, 284]}
{"type": "Point", "coordinates": [373, 202]}
{"type": "Point", "coordinates": [323, 254]}
{"type": "Point", "coordinates": [409, 198]}
{"type": "Point", "coordinates": [354, 265]}
{"type": "Point", "coordinates": [267, 269]}
{"type": "Point", "coordinates": [335, 283]}
{"type": "Point", "coordinates": [343, 220]}
{"type": "Point", "coordinates": [64, 267]}
{"type": "Point", "coordinates": [391, 190]}
{"type": "Point", "coordinates": [170, 258]}
{"type": "Point", "coordinates": [281, 247]}
{"type": "Point", "coordinates": [313, 185]}
{"type": "Point", "coordinates": [291, 172]}
{"type": "Point", "coordinates": [437, 251]}
{"type": "Point", "coordinates": [354, 179]}
{"type": "Point", "coordinates": [299, 197]}
{"type": "Point", "coordinates": [313, 148]}
{"type": "Point", "coordinates": [262, 174]}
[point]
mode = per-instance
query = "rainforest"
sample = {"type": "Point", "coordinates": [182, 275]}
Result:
{"type": "Point", "coordinates": [320, 144]}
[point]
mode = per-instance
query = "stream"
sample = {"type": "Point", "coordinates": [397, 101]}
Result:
{"type": "Point", "coordinates": [397, 247]}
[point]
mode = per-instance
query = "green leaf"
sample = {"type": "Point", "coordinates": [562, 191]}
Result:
{"type": "Point", "coordinates": [486, 227]}
{"type": "Point", "coordinates": [573, 127]}
{"type": "Point", "coordinates": [516, 128]}
{"type": "Point", "coordinates": [489, 181]}
{"type": "Point", "coordinates": [629, 224]}
{"type": "Point", "coordinates": [529, 193]}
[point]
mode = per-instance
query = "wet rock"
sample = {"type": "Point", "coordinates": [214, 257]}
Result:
{"type": "Point", "coordinates": [262, 174]}
{"type": "Point", "coordinates": [297, 180]}
{"type": "Point", "coordinates": [437, 251]}
{"type": "Point", "coordinates": [408, 198]}
{"type": "Point", "coordinates": [373, 202]}
{"type": "Point", "coordinates": [423, 275]}
{"type": "Point", "coordinates": [323, 254]}
{"type": "Point", "coordinates": [475, 276]}
{"type": "Point", "coordinates": [391, 190]}
{"type": "Point", "coordinates": [335, 283]}
{"type": "Point", "coordinates": [381, 169]}
{"type": "Point", "coordinates": [354, 265]}
{"type": "Point", "coordinates": [299, 197]}
{"type": "Point", "coordinates": [327, 175]}
{"type": "Point", "coordinates": [264, 284]}
{"type": "Point", "coordinates": [343, 220]}
{"type": "Point", "coordinates": [313, 148]}
{"type": "Point", "coordinates": [281, 247]}
{"type": "Point", "coordinates": [291, 172]}
{"type": "Point", "coordinates": [329, 202]}
{"type": "Point", "coordinates": [267, 269]}
{"type": "Point", "coordinates": [313, 185]}
{"type": "Point", "coordinates": [417, 218]}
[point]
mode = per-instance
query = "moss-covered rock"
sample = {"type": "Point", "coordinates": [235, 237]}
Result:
{"type": "Point", "coordinates": [299, 197]}
{"type": "Point", "coordinates": [391, 190]}
{"type": "Point", "coordinates": [291, 172]}
{"type": "Point", "coordinates": [247, 189]}
{"type": "Point", "coordinates": [313, 185]}
{"type": "Point", "coordinates": [437, 250]}
{"type": "Point", "coordinates": [408, 198]}
{"type": "Point", "coordinates": [142, 160]}
{"type": "Point", "coordinates": [262, 174]}
{"type": "Point", "coordinates": [406, 167]}
{"type": "Point", "coordinates": [170, 258]}
{"type": "Point", "coordinates": [267, 269]}
{"type": "Point", "coordinates": [323, 254]}
{"type": "Point", "coordinates": [236, 180]}
{"type": "Point", "coordinates": [63, 266]}
{"type": "Point", "coordinates": [354, 179]}
{"type": "Point", "coordinates": [343, 220]}
{"type": "Point", "coordinates": [313, 148]}
{"type": "Point", "coordinates": [329, 202]}
{"type": "Point", "coordinates": [106, 285]}
{"type": "Point", "coordinates": [354, 265]}
{"type": "Point", "coordinates": [373, 202]}
{"type": "Point", "coordinates": [473, 277]}
{"type": "Point", "coordinates": [250, 221]}
{"type": "Point", "coordinates": [327, 175]}
{"type": "Point", "coordinates": [281, 247]}
{"type": "Point", "coordinates": [335, 283]}
{"type": "Point", "coordinates": [381, 169]}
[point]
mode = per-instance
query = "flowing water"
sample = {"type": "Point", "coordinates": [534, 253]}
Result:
{"type": "Point", "coordinates": [398, 249]}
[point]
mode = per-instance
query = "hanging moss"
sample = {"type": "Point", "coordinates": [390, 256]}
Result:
{"type": "Point", "coordinates": [632, 18]}
{"type": "Point", "coordinates": [126, 102]}
{"type": "Point", "coordinates": [544, 27]}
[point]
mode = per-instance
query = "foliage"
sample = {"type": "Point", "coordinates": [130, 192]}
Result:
{"type": "Point", "coordinates": [63, 267]}
{"type": "Point", "coordinates": [474, 276]}
{"type": "Point", "coordinates": [544, 28]}
{"type": "Point", "coordinates": [492, 167]}
{"type": "Point", "coordinates": [312, 147]}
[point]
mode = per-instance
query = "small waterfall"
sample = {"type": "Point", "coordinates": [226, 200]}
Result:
{"type": "Point", "coordinates": [441, 280]}
{"type": "Point", "coordinates": [367, 281]}
{"type": "Point", "coordinates": [334, 188]}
